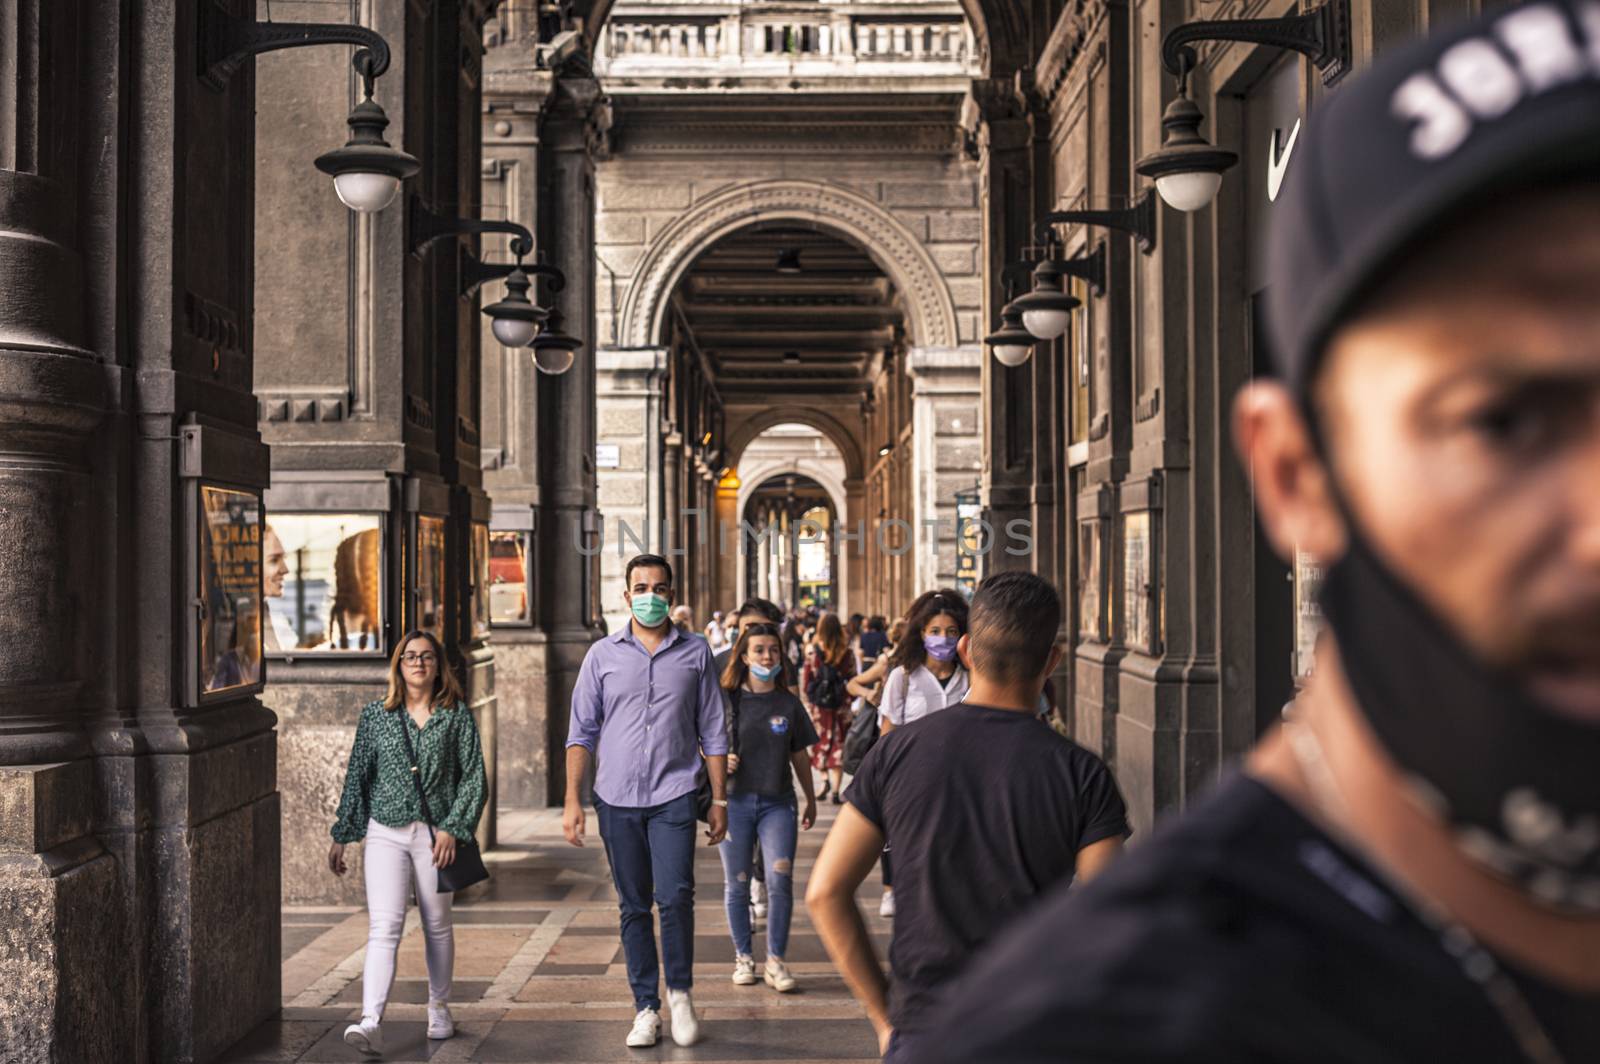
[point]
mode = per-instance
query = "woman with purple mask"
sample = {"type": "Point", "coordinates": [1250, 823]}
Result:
{"type": "Point", "coordinates": [925, 676]}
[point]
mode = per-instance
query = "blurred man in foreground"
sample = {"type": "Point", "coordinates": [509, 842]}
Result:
{"type": "Point", "coordinates": [1409, 869]}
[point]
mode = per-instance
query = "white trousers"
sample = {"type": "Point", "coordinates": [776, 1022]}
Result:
{"type": "Point", "coordinates": [398, 860]}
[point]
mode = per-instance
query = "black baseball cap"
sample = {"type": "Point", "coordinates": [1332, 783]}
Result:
{"type": "Point", "coordinates": [1444, 125]}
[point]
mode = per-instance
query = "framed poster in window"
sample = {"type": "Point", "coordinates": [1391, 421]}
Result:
{"type": "Point", "coordinates": [1091, 569]}
{"type": "Point", "coordinates": [228, 601]}
{"type": "Point", "coordinates": [1307, 615]}
{"type": "Point", "coordinates": [430, 576]}
{"type": "Point", "coordinates": [1141, 582]}
{"type": "Point", "coordinates": [480, 579]}
{"type": "Point", "coordinates": [508, 576]}
{"type": "Point", "coordinates": [324, 578]}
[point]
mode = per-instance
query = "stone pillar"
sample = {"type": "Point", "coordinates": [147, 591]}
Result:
{"type": "Point", "coordinates": [569, 138]}
{"type": "Point", "coordinates": [946, 387]}
{"type": "Point", "coordinates": [628, 391]}
{"type": "Point", "coordinates": [853, 554]}
{"type": "Point", "coordinates": [997, 124]}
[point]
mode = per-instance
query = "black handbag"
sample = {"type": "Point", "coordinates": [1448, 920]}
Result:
{"type": "Point", "coordinates": [467, 868]}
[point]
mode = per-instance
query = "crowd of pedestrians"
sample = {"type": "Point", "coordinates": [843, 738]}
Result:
{"type": "Point", "coordinates": [1407, 870]}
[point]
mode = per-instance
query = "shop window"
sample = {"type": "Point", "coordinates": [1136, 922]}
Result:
{"type": "Point", "coordinates": [431, 561]}
{"type": "Point", "coordinates": [229, 590]}
{"type": "Point", "coordinates": [324, 577]}
{"type": "Point", "coordinates": [508, 577]}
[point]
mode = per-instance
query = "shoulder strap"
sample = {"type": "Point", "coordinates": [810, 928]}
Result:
{"type": "Point", "coordinates": [416, 770]}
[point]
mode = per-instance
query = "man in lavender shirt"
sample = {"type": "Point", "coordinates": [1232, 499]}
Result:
{"type": "Point", "coordinates": [648, 707]}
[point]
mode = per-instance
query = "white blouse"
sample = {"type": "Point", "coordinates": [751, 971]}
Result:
{"type": "Point", "coordinates": [908, 698]}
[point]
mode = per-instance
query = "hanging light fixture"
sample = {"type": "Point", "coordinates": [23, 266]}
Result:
{"type": "Point", "coordinates": [514, 319]}
{"type": "Point", "coordinates": [554, 349]}
{"type": "Point", "coordinates": [1047, 310]}
{"type": "Point", "coordinates": [1011, 343]}
{"type": "Point", "coordinates": [791, 358]}
{"type": "Point", "coordinates": [366, 172]}
{"type": "Point", "coordinates": [789, 260]}
{"type": "Point", "coordinates": [1187, 168]}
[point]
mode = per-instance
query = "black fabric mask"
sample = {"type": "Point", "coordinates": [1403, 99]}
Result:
{"type": "Point", "coordinates": [1518, 782]}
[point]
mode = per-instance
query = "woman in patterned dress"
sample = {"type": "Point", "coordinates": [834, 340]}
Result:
{"type": "Point", "coordinates": [381, 804]}
{"type": "Point", "coordinates": [829, 651]}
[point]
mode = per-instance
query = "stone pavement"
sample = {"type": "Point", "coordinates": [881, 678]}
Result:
{"type": "Point", "coordinates": [539, 973]}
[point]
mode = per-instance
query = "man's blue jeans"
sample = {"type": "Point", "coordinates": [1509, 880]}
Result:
{"type": "Point", "coordinates": [774, 821]}
{"type": "Point", "coordinates": [651, 851]}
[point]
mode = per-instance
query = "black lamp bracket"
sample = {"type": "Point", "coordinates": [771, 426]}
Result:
{"type": "Point", "coordinates": [1322, 34]}
{"type": "Point", "coordinates": [1139, 220]}
{"type": "Point", "coordinates": [475, 272]}
{"type": "Point", "coordinates": [226, 40]}
{"type": "Point", "coordinates": [1090, 267]}
{"type": "Point", "coordinates": [429, 225]}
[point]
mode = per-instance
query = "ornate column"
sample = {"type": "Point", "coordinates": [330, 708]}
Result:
{"type": "Point", "coordinates": [998, 128]}
{"type": "Point", "coordinates": [570, 137]}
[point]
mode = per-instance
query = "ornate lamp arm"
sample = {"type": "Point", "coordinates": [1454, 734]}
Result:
{"type": "Point", "coordinates": [227, 40]}
{"type": "Point", "coordinates": [428, 226]}
{"type": "Point", "coordinates": [474, 272]}
{"type": "Point", "coordinates": [1139, 219]}
{"type": "Point", "coordinates": [1322, 34]}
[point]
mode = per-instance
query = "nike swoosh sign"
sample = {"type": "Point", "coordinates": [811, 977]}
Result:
{"type": "Point", "coordinates": [1278, 160]}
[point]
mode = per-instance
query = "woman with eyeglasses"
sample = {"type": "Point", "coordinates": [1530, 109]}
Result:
{"type": "Point", "coordinates": [769, 732]}
{"type": "Point", "coordinates": [382, 804]}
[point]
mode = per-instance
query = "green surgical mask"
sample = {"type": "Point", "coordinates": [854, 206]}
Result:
{"type": "Point", "coordinates": [649, 609]}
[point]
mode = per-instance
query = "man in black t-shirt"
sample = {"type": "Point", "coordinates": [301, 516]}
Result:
{"type": "Point", "coordinates": [1408, 871]}
{"type": "Point", "coordinates": [987, 809]}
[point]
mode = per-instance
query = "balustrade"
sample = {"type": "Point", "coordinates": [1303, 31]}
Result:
{"type": "Point", "coordinates": [866, 39]}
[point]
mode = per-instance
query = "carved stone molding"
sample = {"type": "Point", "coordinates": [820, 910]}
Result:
{"type": "Point", "coordinates": [896, 250]}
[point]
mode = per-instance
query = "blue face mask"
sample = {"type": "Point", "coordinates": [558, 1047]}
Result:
{"type": "Point", "coordinates": [764, 672]}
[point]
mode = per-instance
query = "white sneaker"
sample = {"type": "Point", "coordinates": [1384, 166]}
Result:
{"type": "Point", "coordinates": [758, 899]}
{"type": "Point", "coordinates": [440, 1025]}
{"type": "Point", "coordinates": [646, 1029]}
{"type": "Point", "coordinates": [685, 1024]}
{"type": "Point", "coordinates": [777, 975]}
{"type": "Point", "coordinates": [744, 969]}
{"type": "Point", "coordinates": [367, 1036]}
{"type": "Point", "coordinates": [886, 906]}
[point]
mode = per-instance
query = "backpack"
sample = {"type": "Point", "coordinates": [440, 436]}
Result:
{"type": "Point", "coordinates": [825, 689]}
{"type": "Point", "coordinates": [863, 734]}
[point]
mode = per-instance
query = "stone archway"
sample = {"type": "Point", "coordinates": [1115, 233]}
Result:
{"type": "Point", "coordinates": [930, 309]}
{"type": "Point", "coordinates": [742, 431]}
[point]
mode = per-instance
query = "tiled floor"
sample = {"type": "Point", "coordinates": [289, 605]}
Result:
{"type": "Point", "coordinates": [539, 973]}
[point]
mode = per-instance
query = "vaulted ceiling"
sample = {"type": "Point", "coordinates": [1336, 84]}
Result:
{"type": "Point", "coordinates": [838, 314]}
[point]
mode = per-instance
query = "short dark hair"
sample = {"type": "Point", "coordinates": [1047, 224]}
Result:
{"type": "Point", "coordinates": [1014, 621]}
{"type": "Point", "coordinates": [645, 561]}
{"type": "Point", "coordinates": [876, 623]}
{"type": "Point", "coordinates": [764, 607]}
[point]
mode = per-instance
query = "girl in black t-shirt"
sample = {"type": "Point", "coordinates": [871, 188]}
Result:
{"type": "Point", "coordinates": [769, 732]}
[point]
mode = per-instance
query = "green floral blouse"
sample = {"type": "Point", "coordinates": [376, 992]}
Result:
{"type": "Point", "coordinates": [377, 783]}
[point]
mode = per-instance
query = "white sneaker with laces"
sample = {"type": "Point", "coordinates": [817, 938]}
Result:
{"type": "Point", "coordinates": [440, 1024]}
{"type": "Point", "coordinates": [685, 1024]}
{"type": "Point", "coordinates": [744, 969]}
{"type": "Point", "coordinates": [367, 1036]}
{"type": "Point", "coordinates": [758, 899]}
{"type": "Point", "coordinates": [777, 975]}
{"type": "Point", "coordinates": [646, 1029]}
{"type": "Point", "coordinates": [886, 906]}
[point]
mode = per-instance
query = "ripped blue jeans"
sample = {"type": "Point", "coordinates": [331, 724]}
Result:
{"type": "Point", "coordinates": [775, 821]}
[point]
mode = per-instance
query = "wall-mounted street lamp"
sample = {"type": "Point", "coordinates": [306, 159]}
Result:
{"type": "Point", "coordinates": [366, 172]}
{"type": "Point", "coordinates": [1187, 169]}
{"type": "Point", "coordinates": [554, 349]}
{"type": "Point", "coordinates": [1045, 311]}
{"type": "Point", "coordinates": [514, 318]}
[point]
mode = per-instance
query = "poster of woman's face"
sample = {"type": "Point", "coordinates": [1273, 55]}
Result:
{"type": "Point", "coordinates": [230, 589]}
{"type": "Point", "coordinates": [323, 577]}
